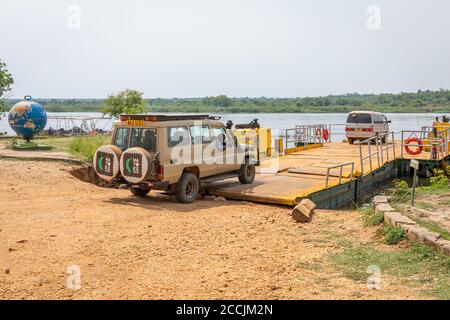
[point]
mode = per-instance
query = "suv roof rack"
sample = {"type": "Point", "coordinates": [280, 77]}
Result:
{"type": "Point", "coordinates": [166, 117]}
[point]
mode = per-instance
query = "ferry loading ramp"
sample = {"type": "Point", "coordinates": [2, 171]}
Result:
{"type": "Point", "coordinates": [327, 171]}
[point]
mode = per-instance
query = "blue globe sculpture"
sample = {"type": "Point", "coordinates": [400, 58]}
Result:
{"type": "Point", "coordinates": [27, 118]}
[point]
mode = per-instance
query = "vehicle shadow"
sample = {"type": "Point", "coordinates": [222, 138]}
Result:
{"type": "Point", "coordinates": [161, 201]}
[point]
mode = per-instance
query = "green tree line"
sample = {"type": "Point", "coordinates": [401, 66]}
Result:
{"type": "Point", "coordinates": [421, 101]}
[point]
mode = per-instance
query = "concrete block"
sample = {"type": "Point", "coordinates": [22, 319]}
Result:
{"type": "Point", "coordinates": [443, 246]}
{"type": "Point", "coordinates": [383, 207]}
{"type": "Point", "coordinates": [380, 199]}
{"type": "Point", "coordinates": [414, 232]}
{"type": "Point", "coordinates": [309, 204]}
{"type": "Point", "coordinates": [302, 213]}
{"type": "Point", "coordinates": [431, 238]}
{"type": "Point", "coordinates": [397, 219]}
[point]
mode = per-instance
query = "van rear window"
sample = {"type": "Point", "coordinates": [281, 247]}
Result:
{"type": "Point", "coordinates": [359, 118]}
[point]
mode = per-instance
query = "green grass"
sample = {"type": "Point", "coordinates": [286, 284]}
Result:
{"type": "Point", "coordinates": [58, 143]}
{"type": "Point", "coordinates": [444, 203]}
{"type": "Point", "coordinates": [439, 184]}
{"type": "Point", "coordinates": [85, 147]}
{"type": "Point", "coordinates": [424, 205]}
{"type": "Point", "coordinates": [417, 265]}
{"type": "Point", "coordinates": [370, 217]}
{"type": "Point", "coordinates": [392, 235]}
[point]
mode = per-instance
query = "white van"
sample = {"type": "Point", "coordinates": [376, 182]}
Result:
{"type": "Point", "coordinates": [362, 125]}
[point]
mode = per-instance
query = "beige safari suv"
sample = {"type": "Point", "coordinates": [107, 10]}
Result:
{"type": "Point", "coordinates": [175, 153]}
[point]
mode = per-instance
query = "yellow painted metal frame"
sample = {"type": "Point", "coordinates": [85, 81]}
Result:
{"type": "Point", "coordinates": [303, 148]}
{"type": "Point", "coordinates": [263, 135]}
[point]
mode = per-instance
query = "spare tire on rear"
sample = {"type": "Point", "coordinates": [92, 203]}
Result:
{"type": "Point", "coordinates": [136, 165]}
{"type": "Point", "coordinates": [106, 162]}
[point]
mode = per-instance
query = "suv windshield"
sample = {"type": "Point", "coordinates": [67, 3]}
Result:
{"type": "Point", "coordinates": [135, 137]}
{"type": "Point", "coordinates": [359, 118]}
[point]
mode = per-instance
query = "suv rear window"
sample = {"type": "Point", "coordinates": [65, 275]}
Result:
{"type": "Point", "coordinates": [121, 138]}
{"type": "Point", "coordinates": [359, 118]}
{"type": "Point", "coordinates": [136, 137]}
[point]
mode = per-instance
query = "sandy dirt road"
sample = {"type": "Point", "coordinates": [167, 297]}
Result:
{"type": "Point", "coordinates": [154, 248]}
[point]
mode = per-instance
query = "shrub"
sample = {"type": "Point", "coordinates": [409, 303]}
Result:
{"type": "Point", "coordinates": [375, 219]}
{"type": "Point", "coordinates": [393, 235]}
{"type": "Point", "coordinates": [371, 218]}
{"type": "Point", "coordinates": [439, 180]}
{"type": "Point", "coordinates": [85, 147]}
{"type": "Point", "coordinates": [447, 171]}
{"type": "Point", "coordinates": [402, 192]}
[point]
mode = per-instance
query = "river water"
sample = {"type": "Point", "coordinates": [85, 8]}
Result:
{"type": "Point", "coordinates": [400, 121]}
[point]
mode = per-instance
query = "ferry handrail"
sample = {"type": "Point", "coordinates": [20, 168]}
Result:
{"type": "Point", "coordinates": [305, 134]}
{"type": "Point", "coordinates": [381, 149]}
{"type": "Point", "coordinates": [439, 142]}
{"type": "Point", "coordinates": [331, 130]}
{"type": "Point", "coordinates": [341, 169]}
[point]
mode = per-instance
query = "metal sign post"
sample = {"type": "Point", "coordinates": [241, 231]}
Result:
{"type": "Point", "coordinates": [415, 165]}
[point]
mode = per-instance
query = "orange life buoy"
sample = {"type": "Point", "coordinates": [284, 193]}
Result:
{"type": "Point", "coordinates": [326, 134]}
{"type": "Point", "coordinates": [416, 141]}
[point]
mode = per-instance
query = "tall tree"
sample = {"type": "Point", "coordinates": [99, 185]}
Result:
{"type": "Point", "coordinates": [6, 81]}
{"type": "Point", "coordinates": [125, 102]}
{"type": "Point", "coordinates": [221, 101]}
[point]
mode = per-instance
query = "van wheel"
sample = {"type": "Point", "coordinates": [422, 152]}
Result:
{"type": "Point", "coordinates": [247, 172]}
{"type": "Point", "coordinates": [351, 140]}
{"type": "Point", "coordinates": [186, 190]}
{"type": "Point", "coordinates": [139, 192]}
{"type": "Point", "coordinates": [383, 140]}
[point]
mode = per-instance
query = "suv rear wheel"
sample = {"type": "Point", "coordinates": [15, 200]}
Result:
{"type": "Point", "coordinates": [351, 140]}
{"type": "Point", "coordinates": [139, 192]}
{"type": "Point", "coordinates": [247, 172]}
{"type": "Point", "coordinates": [186, 190]}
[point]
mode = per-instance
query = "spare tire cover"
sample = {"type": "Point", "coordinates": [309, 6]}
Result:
{"type": "Point", "coordinates": [106, 162]}
{"type": "Point", "coordinates": [136, 165]}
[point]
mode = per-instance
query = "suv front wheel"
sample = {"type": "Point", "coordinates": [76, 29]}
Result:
{"type": "Point", "coordinates": [247, 172]}
{"type": "Point", "coordinates": [186, 190]}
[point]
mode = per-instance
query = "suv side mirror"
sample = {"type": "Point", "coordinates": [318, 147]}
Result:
{"type": "Point", "coordinates": [389, 121]}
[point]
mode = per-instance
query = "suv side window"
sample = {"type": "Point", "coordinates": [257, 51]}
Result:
{"type": "Point", "coordinates": [222, 138]}
{"type": "Point", "coordinates": [177, 136]}
{"type": "Point", "coordinates": [121, 138]}
{"type": "Point", "coordinates": [200, 134]}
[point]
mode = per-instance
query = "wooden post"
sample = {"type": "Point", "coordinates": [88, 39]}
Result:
{"type": "Point", "coordinates": [415, 165]}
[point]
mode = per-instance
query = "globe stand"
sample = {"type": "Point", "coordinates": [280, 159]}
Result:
{"type": "Point", "coordinates": [29, 146]}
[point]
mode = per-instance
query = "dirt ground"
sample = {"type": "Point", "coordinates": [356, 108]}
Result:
{"type": "Point", "coordinates": [154, 248]}
{"type": "Point", "coordinates": [434, 208]}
